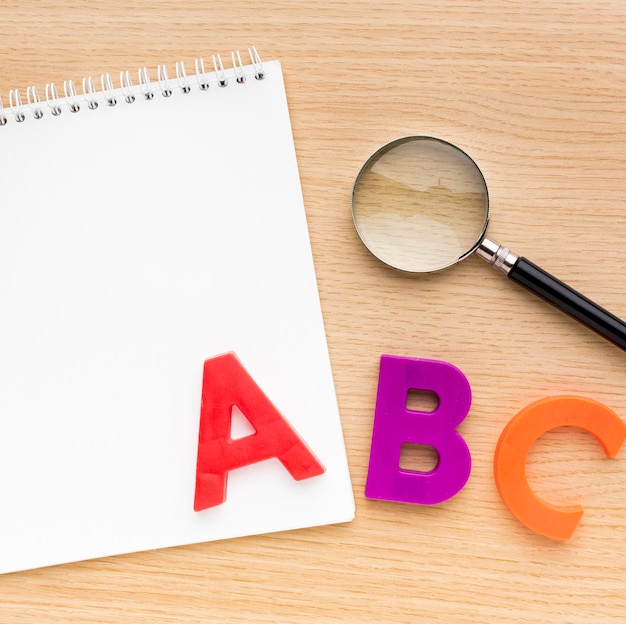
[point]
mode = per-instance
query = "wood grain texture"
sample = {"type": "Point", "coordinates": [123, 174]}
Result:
{"type": "Point", "coordinates": [535, 91]}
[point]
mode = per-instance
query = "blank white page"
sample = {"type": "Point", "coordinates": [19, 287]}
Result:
{"type": "Point", "coordinates": [137, 241]}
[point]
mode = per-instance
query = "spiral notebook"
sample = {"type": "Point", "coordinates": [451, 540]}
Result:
{"type": "Point", "coordinates": [146, 227]}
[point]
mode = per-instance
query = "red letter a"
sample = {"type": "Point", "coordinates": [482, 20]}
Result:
{"type": "Point", "coordinates": [226, 383]}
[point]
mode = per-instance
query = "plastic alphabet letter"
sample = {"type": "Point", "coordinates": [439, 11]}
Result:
{"type": "Point", "coordinates": [226, 383]}
{"type": "Point", "coordinates": [395, 425]}
{"type": "Point", "coordinates": [516, 441]}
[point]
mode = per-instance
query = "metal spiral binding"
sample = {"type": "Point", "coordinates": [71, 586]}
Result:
{"type": "Point", "coordinates": [144, 82]}
{"type": "Point", "coordinates": [127, 86]}
{"type": "Point", "coordinates": [181, 76]}
{"type": "Point", "coordinates": [91, 97]}
{"type": "Point", "coordinates": [107, 89]}
{"type": "Point", "coordinates": [89, 91]}
{"type": "Point", "coordinates": [71, 96]}
{"type": "Point", "coordinates": [34, 102]}
{"type": "Point", "coordinates": [52, 98]}
{"type": "Point", "coordinates": [15, 104]}
{"type": "Point", "coordinates": [163, 79]}
{"type": "Point", "coordinates": [222, 81]}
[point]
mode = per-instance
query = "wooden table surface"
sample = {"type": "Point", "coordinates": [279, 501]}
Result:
{"type": "Point", "coordinates": [536, 92]}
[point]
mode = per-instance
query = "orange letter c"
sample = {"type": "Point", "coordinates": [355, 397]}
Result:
{"type": "Point", "coordinates": [516, 441]}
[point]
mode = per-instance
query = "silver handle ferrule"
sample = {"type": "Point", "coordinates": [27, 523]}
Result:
{"type": "Point", "coordinates": [500, 257]}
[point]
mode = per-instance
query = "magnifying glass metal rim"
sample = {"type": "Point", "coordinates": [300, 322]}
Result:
{"type": "Point", "coordinates": [386, 148]}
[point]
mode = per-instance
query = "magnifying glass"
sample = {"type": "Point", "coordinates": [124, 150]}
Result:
{"type": "Point", "coordinates": [420, 204]}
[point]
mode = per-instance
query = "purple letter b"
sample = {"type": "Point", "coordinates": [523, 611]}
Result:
{"type": "Point", "coordinates": [395, 425]}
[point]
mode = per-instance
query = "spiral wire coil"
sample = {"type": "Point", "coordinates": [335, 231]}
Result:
{"type": "Point", "coordinates": [91, 97]}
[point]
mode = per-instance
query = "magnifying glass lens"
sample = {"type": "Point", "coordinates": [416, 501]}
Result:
{"type": "Point", "coordinates": [420, 204]}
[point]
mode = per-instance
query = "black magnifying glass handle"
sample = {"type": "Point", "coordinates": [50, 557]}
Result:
{"type": "Point", "coordinates": [552, 290]}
